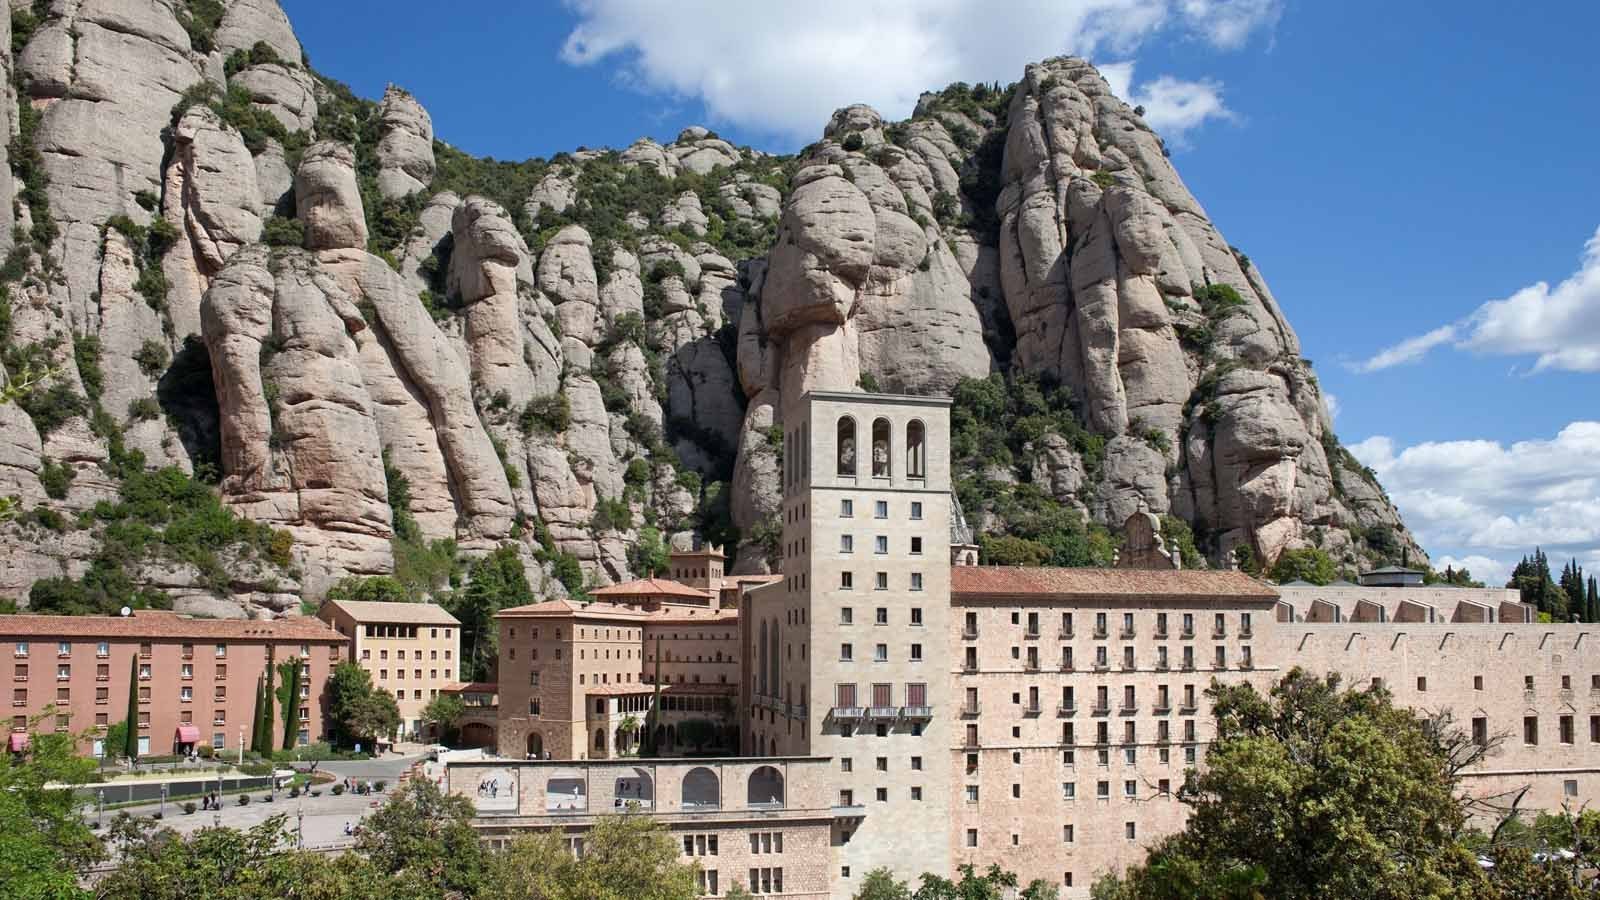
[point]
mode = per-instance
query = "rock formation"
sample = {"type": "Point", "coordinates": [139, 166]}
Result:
{"type": "Point", "coordinates": [231, 266]}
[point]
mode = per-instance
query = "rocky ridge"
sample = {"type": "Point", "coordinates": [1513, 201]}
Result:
{"type": "Point", "coordinates": [379, 347]}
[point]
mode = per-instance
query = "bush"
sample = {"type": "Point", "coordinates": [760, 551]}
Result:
{"type": "Point", "coordinates": [189, 808]}
{"type": "Point", "coordinates": [152, 357]}
{"type": "Point", "coordinates": [244, 799]}
{"type": "Point", "coordinates": [282, 232]}
{"type": "Point", "coordinates": [157, 815]}
{"type": "Point", "coordinates": [379, 785]}
{"type": "Point", "coordinates": [56, 478]}
{"type": "Point", "coordinates": [144, 409]}
{"type": "Point", "coordinates": [337, 789]}
{"type": "Point", "coordinates": [294, 791]}
{"type": "Point", "coordinates": [551, 413]}
{"type": "Point", "coordinates": [852, 141]}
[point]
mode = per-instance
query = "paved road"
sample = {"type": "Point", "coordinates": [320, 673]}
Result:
{"type": "Point", "coordinates": [323, 818]}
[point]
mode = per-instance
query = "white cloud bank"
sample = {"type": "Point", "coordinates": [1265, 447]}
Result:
{"type": "Point", "coordinates": [785, 67]}
{"type": "Point", "coordinates": [1486, 504]}
{"type": "Point", "coordinates": [1559, 326]}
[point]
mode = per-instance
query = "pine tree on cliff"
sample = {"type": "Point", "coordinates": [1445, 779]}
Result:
{"type": "Point", "coordinates": [130, 744]}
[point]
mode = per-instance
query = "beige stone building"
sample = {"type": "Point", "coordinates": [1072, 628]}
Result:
{"type": "Point", "coordinates": [762, 823]}
{"type": "Point", "coordinates": [1040, 719]}
{"type": "Point", "coordinates": [413, 650]}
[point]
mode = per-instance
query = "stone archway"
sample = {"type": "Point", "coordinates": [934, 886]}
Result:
{"type": "Point", "coordinates": [535, 745]}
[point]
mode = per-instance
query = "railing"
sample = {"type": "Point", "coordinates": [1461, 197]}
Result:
{"type": "Point", "coordinates": [1186, 634]}
{"type": "Point", "coordinates": [1128, 633]}
{"type": "Point", "coordinates": [1064, 634]}
{"type": "Point", "coordinates": [882, 712]}
{"type": "Point", "coordinates": [917, 712]}
{"type": "Point", "coordinates": [1187, 708]}
{"type": "Point", "coordinates": [1160, 633]}
{"type": "Point", "coordinates": [846, 712]}
{"type": "Point", "coordinates": [1067, 666]}
{"type": "Point", "coordinates": [1245, 631]}
{"type": "Point", "coordinates": [798, 710]}
{"type": "Point", "coordinates": [1128, 709]}
{"type": "Point", "coordinates": [969, 665]}
{"type": "Point", "coordinates": [1219, 633]}
{"type": "Point", "coordinates": [1067, 709]}
{"type": "Point", "coordinates": [1163, 666]}
{"type": "Point", "coordinates": [1162, 707]}
{"type": "Point", "coordinates": [969, 633]}
{"type": "Point", "coordinates": [1031, 665]}
{"type": "Point", "coordinates": [1100, 632]}
{"type": "Point", "coordinates": [1101, 709]}
{"type": "Point", "coordinates": [1101, 666]}
{"type": "Point", "coordinates": [1031, 710]}
{"type": "Point", "coordinates": [1188, 665]}
{"type": "Point", "coordinates": [1247, 664]}
{"type": "Point", "coordinates": [971, 709]}
{"type": "Point", "coordinates": [1032, 632]}
{"type": "Point", "coordinates": [1129, 665]}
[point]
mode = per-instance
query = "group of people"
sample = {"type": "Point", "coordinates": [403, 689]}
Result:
{"type": "Point", "coordinates": [212, 800]}
{"type": "Point", "coordinates": [355, 786]}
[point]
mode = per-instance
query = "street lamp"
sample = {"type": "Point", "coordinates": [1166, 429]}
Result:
{"type": "Point", "coordinates": [100, 808]}
{"type": "Point", "coordinates": [162, 814]}
{"type": "Point", "coordinates": [300, 825]}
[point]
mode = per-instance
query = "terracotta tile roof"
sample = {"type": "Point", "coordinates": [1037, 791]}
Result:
{"type": "Point", "coordinates": [644, 687]}
{"type": "Point", "coordinates": [649, 587]}
{"type": "Point", "coordinates": [561, 609]}
{"type": "Point", "coordinates": [157, 624]}
{"type": "Point", "coordinates": [472, 687]}
{"type": "Point", "coordinates": [399, 613]}
{"type": "Point", "coordinates": [683, 616]}
{"type": "Point", "coordinates": [975, 582]}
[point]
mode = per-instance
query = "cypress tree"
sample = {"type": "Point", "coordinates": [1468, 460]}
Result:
{"type": "Point", "coordinates": [263, 742]}
{"type": "Point", "coordinates": [130, 745]}
{"type": "Point", "coordinates": [255, 719]}
{"type": "Point", "coordinates": [288, 695]}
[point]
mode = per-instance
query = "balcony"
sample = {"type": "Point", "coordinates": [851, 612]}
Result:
{"type": "Point", "coordinates": [798, 710]}
{"type": "Point", "coordinates": [1031, 665]}
{"type": "Point", "coordinates": [1128, 709]}
{"type": "Point", "coordinates": [1246, 632]}
{"type": "Point", "coordinates": [917, 712]}
{"type": "Point", "coordinates": [969, 633]}
{"type": "Point", "coordinates": [1247, 663]}
{"type": "Point", "coordinates": [845, 713]}
{"type": "Point", "coordinates": [1163, 666]}
{"type": "Point", "coordinates": [1067, 666]}
{"type": "Point", "coordinates": [1188, 665]}
{"type": "Point", "coordinates": [1187, 709]}
{"type": "Point", "coordinates": [1128, 634]}
{"type": "Point", "coordinates": [1032, 633]}
{"type": "Point", "coordinates": [1129, 665]}
{"type": "Point", "coordinates": [851, 810]}
{"type": "Point", "coordinates": [1100, 632]}
{"type": "Point", "coordinates": [883, 712]}
{"type": "Point", "coordinates": [1067, 710]}
{"type": "Point", "coordinates": [971, 709]}
{"type": "Point", "coordinates": [1219, 633]}
{"type": "Point", "coordinates": [1187, 634]}
{"type": "Point", "coordinates": [1065, 634]}
{"type": "Point", "coordinates": [1160, 633]}
{"type": "Point", "coordinates": [1102, 709]}
{"type": "Point", "coordinates": [1031, 710]}
{"type": "Point", "coordinates": [1162, 707]}
{"type": "Point", "coordinates": [969, 666]}
{"type": "Point", "coordinates": [1102, 666]}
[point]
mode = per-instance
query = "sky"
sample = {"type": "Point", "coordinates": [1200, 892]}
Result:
{"type": "Point", "coordinates": [1417, 181]}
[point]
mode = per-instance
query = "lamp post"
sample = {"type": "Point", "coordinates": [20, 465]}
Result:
{"type": "Point", "coordinates": [100, 807]}
{"type": "Point", "coordinates": [162, 814]}
{"type": "Point", "coordinates": [300, 825]}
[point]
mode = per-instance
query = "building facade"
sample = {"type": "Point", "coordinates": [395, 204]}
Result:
{"type": "Point", "coordinates": [194, 681]}
{"type": "Point", "coordinates": [762, 823]}
{"type": "Point", "coordinates": [412, 650]}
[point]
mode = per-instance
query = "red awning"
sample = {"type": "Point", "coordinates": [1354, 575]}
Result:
{"type": "Point", "coordinates": [188, 734]}
{"type": "Point", "coordinates": [19, 741]}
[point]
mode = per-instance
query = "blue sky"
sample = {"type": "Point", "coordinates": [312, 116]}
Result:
{"type": "Point", "coordinates": [1391, 167]}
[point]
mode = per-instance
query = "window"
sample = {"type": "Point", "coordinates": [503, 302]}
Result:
{"type": "Point", "coordinates": [916, 509]}
{"type": "Point", "coordinates": [880, 509]}
{"type": "Point", "coordinates": [847, 615]}
{"type": "Point", "coordinates": [1527, 682]}
{"type": "Point", "coordinates": [103, 649]}
{"type": "Point", "coordinates": [222, 651]}
{"type": "Point", "coordinates": [845, 448]}
{"type": "Point", "coordinates": [847, 543]}
{"type": "Point", "coordinates": [916, 615]}
{"type": "Point", "coordinates": [847, 509]}
{"type": "Point", "coordinates": [1565, 725]}
{"type": "Point", "coordinates": [916, 653]}
{"type": "Point", "coordinates": [1066, 834]}
{"type": "Point", "coordinates": [880, 449]}
{"type": "Point", "coordinates": [1069, 790]}
{"type": "Point", "coordinates": [916, 546]}
{"type": "Point", "coordinates": [881, 581]}
{"type": "Point", "coordinates": [881, 616]}
{"type": "Point", "coordinates": [1477, 682]}
{"type": "Point", "coordinates": [880, 653]}
{"type": "Point", "coordinates": [972, 837]}
{"type": "Point", "coordinates": [1102, 790]}
{"type": "Point", "coordinates": [185, 693]}
{"type": "Point", "coordinates": [1530, 729]}
{"type": "Point", "coordinates": [847, 581]}
{"type": "Point", "coordinates": [21, 652]}
{"type": "Point", "coordinates": [1130, 830]}
{"type": "Point", "coordinates": [1422, 684]}
{"type": "Point", "coordinates": [916, 581]}
{"type": "Point", "coordinates": [880, 544]}
{"type": "Point", "coordinates": [847, 653]}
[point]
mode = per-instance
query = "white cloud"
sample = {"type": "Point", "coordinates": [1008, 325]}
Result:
{"type": "Point", "coordinates": [1492, 572]}
{"type": "Point", "coordinates": [1560, 326]}
{"type": "Point", "coordinates": [1332, 403]}
{"type": "Point", "coordinates": [1484, 502]}
{"type": "Point", "coordinates": [785, 67]}
{"type": "Point", "coordinates": [1171, 106]}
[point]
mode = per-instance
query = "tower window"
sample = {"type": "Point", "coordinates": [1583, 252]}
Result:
{"type": "Point", "coordinates": [916, 451]}
{"type": "Point", "coordinates": [880, 448]}
{"type": "Point", "coordinates": [846, 446]}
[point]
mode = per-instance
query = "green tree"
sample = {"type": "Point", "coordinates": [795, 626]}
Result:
{"type": "Point", "coordinates": [1315, 791]}
{"type": "Point", "coordinates": [497, 581]}
{"type": "Point", "coordinates": [648, 556]}
{"type": "Point", "coordinates": [359, 711]}
{"type": "Point", "coordinates": [880, 884]}
{"type": "Point", "coordinates": [627, 857]}
{"type": "Point", "coordinates": [1304, 564]}
{"type": "Point", "coordinates": [424, 837]}
{"type": "Point", "coordinates": [289, 699]}
{"type": "Point", "coordinates": [444, 711]}
{"type": "Point", "coordinates": [376, 589]}
{"type": "Point", "coordinates": [130, 740]}
{"type": "Point", "coordinates": [261, 737]}
{"type": "Point", "coordinates": [994, 883]}
{"type": "Point", "coordinates": [44, 842]}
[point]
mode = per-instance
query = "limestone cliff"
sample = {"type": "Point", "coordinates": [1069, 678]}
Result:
{"type": "Point", "coordinates": [370, 342]}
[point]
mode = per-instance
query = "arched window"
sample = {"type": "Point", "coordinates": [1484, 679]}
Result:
{"type": "Point", "coordinates": [880, 448]}
{"type": "Point", "coordinates": [701, 789]}
{"type": "Point", "coordinates": [600, 739]}
{"type": "Point", "coordinates": [916, 451]}
{"type": "Point", "coordinates": [845, 446]}
{"type": "Point", "coordinates": [765, 788]}
{"type": "Point", "coordinates": [566, 791]}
